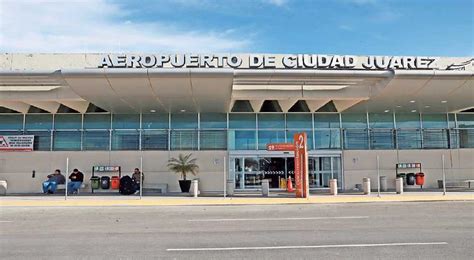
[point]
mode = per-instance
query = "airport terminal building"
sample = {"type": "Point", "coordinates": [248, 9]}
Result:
{"type": "Point", "coordinates": [129, 110]}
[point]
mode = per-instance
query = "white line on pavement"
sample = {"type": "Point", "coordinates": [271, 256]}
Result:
{"type": "Point", "coordinates": [272, 219]}
{"type": "Point", "coordinates": [305, 247]}
{"type": "Point", "coordinates": [5, 221]}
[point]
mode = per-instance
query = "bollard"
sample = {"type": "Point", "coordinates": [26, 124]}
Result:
{"type": "Point", "coordinates": [333, 186]}
{"type": "Point", "coordinates": [399, 185]}
{"type": "Point", "coordinates": [230, 187]}
{"type": "Point", "coordinates": [383, 183]}
{"type": "Point", "coordinates": [366, 185]}
{"type": "Point", "coordinates": [195, 187]}
{"type": "Point", "coordinates": [265, 187]}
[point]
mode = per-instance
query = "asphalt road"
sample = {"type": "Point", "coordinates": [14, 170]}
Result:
{"type": "Point", "coordinates": [429, 230]}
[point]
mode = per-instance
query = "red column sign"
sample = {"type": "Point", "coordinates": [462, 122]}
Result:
{"type": "Point", "coordinates": [301, 165]}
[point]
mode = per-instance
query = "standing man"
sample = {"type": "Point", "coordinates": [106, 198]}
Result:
{"type": "Point", "coordinates": [49, 186]}
{"type": "Point", "coordinates": [136, 178]}
{"type": "Point", "coordinates": [76, 178]}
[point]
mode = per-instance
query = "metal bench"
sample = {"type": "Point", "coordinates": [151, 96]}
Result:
{"type": "Point", "coordinates": [63, 187]}
{"type": "Point", "coordinates": [455, 183]}
{"type": "Point", "coordinates": [158, 187]}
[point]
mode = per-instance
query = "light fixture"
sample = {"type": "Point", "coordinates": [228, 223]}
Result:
{"type": "Point", "coordinates": [399, 106]}
{"type": "Point", "coordinates": [412, 101]}
{"type": "Point", "coordinates": [324, 87]}
{"type": "Point", "coordinates": [182, 110]}
{"type": "Point", "coordinates": [152, 110]}
{"type": "Point", "coordinates": [427, 106]}
{"type": "Point", "coordinates": [444, 101]}
{"type": "Point", "coordinates": [386, 111]}
{"type": "Point", "coordinates": [413, 111]}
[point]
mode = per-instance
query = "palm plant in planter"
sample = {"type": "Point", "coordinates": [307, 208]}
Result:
{"type": "Point", "coordinates": [182, 165]}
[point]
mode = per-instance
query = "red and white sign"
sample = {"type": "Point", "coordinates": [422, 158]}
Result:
{"type": "Point", "coordinates": [280, 147]}
{"type": "Point", "coordinates": [16, 142]}
{"type": "Point", "coordinates": [301, 165]}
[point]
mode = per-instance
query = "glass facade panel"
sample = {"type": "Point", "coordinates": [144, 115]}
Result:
{"type": "Point", "coordinates": [68, 121]}
{"type": "Point", "coordinates": [356, 139]}
{"type": "Point", "coordinates": [11, 122]}
{"type": "Point", "coordinates": [67, 141]}
{"type": "Point", "coordinates": [242, 121]}
{"type": "Point", "coordinates": [409, 138]}
{"type": "Point", "coordinates": [408, 120]}
{"type": "Point", "coordinates": [299, 121]}
{"type": "Point", "coordinates": [96, 140]}
{"type": "Point", "coordinates": [354, 121]}
{"type": "Point", "coordinates": [125, 140]}
{"type": "Point", "coordinates": [291, 133]}
{"type": "Point", "coordinates": [466, 138]}
{"type": "Point", "coordinates": [384, 120]}
{"type": "Point", "coordinates": [326, 121]}
{"type": "Point", "coordinates": [382, 139]}
{"type": "Point", "coordinates": [465, 120]}
{"type": "Point", "coordinates": [155, 140]}
{"type": "Point", "coordinates": [213, 121]}
{"type": "Point", "coordinates": [327, 138]}
{"type": "Point", "coordinates": [155, 121]}
{"type": "Point", "coordinates": [434, 121]}
{"type": "Point", "coordinates": [96, 121]}
{"type": "Point", "coordinates": [125, 121]}
{"type": "Point", "coordinates": [39, 122]}
{"type": "Point", "coordinates": [184, 140]}
{"type": "Point", "coordinates": [435, 138]}
{"type": "Point", "coordinates": [42, 141]}
{"type": "Point", "coordinates": [213, 140]}
{"type": "Point", "coordinates": [271, 121]}
{"type": "Point", "coordinates": [452, 121]}
{"type": "Point", "coordinates": [242, 140]}
{"type": "Point", "coordinates": [266, 137]}
{"type": "Point", "coordinates": [184, 121]}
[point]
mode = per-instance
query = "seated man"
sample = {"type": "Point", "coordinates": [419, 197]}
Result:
{"type": "Point", "coordinates": [76, 178]}
{"type": "Point", "coordinates": [136, 179]}
{"type": "Point", "coordinates": [50, 185]}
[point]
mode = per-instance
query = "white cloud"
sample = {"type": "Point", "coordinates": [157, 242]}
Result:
{"type": "Point", "coordinates": [100, 26]}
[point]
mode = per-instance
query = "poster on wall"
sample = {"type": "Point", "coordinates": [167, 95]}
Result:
{"type": "Point", "coordinates": [16, 143]}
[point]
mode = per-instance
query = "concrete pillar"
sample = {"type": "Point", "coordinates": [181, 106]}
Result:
{"type": "Point", "coordinates": [3, 187]}
{"type": "Point", "coordinates": [230, 187]}
{"type": "Point", "coordinates": [265, 187]}
{"type": "Point", "coordinates": [366, 185]}
{"type": "Point", "coordinates": [195, 188]}
{"type": "Point", "coordinates": [399, 185]}
{"type": "Point", "coordinates": [333, 186]}
{"type": "Point", "coordinates": [383, 183]}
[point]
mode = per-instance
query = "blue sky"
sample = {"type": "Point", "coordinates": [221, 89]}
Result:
{"type": "Point", "coordinates": [376, 27]}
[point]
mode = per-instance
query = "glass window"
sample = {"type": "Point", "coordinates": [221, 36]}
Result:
{"type": "Point", "coordinates": [184, 140]}
{"type": "Point", "coordinates": [408, 120]}
{"type": "Point", "coordinates": [11, 122]}
{"type": "Point", "coordinates": [451, 121]}
{"type": "Point", "coordinates": [213, 120]}
{"type": "Point", "coordinates": [95, 140]}
{"type": "Point", "coordinates": [37, 122]}
{"type": "Point", "coordinates": [327, 138]}
{"type": "Point", "coordinates": [184, 121]}
{"type": "Point", "coordinates": [466, 138]}
{"type": "Point", "coordinates": [125, 121]}
{"type": "Point", "coordinates": [356, 139]}
{"type": "Point", "coordinates": [309, 135]}
{"type": "Point", "coordinates": [155, 121]}
{"type": "Point", "coordinates": [125, 140]}
{"type": "Point", "coordinates": [42, 141]}
{"type": "Point", "coordinates": [271, 121]}
{"type": "Point", "coordinates": [266, 137]}
{"type": "Point", "coordinates": [67, 141]}
{"type": "Point", "coordinates": [326, 121]}
{"type": "Point", "coordinates": [384, 120]}
{"type": "Point", "coordinates": [242, 139]}
{"type": "Point", "coordinates": [354, 121]}
{"type": "Point", "coordinates": [155, 140]}
{"type": "Point", "coordinates": [465, 120]}
{"type": "Point", "coordinates": [96, 121]}
{"type": "Point", "coordinates": [299, 121]}
{"type": "Point", "coordinates": [435, 139]}
{"type": "Point", "coordinates": [382, 139]}
{"type": "Point", "coordinates": [434, 121]}
{"type": "Point", "coordinates": [213, 140]}
{"type": "Point", "coordinates": [242, 121]}
{"type": "Point", "coordinates": [68, 121]}
{"type": "Point", "coordinates": [409, 139]}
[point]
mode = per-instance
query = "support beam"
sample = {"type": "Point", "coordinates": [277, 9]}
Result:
{"type": "Point", "coordinates": [342, 105]}
{"type": "Point", "coordinates": [50, 106]}
{"type": "Point", "coordinates": [15, 105]}
{"type": "Point", "coordinates": [287, 104]}
{"type": "Point", "coordinates": [79, 106]}
{"type": "Point", "coordinates": [256, 104]}
{"type": "Point", "coordinates": [316, 104]}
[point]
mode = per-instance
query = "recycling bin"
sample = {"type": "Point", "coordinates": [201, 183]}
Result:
{"type": "Point", "coordinates": [95, 182]}
{"type": "Point", "coordinates": [420, 178]}
{"type": "Point", "coordinates": [105, 182]}
{"type": "Point", "coordinates": [115, 182]}
{"type": "Point", "coordinates": [403, 176]}
{"type": "Point", "coordinates": [411, 179]}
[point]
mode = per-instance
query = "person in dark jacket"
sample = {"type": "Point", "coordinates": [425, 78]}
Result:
{"type": "Point", "coordinates": [136, 179]}
{"type": "Point", "coordinates": [76, 178]}
{"type": "Point", "coordinates": [50, 185]}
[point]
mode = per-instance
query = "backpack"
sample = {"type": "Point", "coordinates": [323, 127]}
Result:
{"type": "Point", "coordinates": [127, 185]}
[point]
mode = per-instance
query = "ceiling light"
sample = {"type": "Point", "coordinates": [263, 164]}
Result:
{"type": "Point", "coordinates": [444, 101]}
{"type": "Point", "coordinates": [427, 106]}
{"type": "Point", "coordinates": [412, 101]}
{"type": "Point", "coordinates": [413, 111]}
{"type": "Point", "coordinates": [399, 106]}
{"type": "Point", "coordinates": [182, 110]}
{"type": "Point", "coordinates": [323, 87]}
{"type": "Point", "coordinates": [386, 111]}
{"type": "Point", "coordinates": [152, 110]}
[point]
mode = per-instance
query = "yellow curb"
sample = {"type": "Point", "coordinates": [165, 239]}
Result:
{"type": "Point", "coordinates": [157, 201]}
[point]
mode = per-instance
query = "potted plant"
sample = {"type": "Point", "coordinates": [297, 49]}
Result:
{"type": "Point", "coordinates": [182, 165]}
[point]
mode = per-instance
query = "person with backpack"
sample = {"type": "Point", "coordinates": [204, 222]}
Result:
{"type": "Point", "coordinates": [76, 178]}
{"type": "Point", "coordinates": [50, 185]}
{"type": "Point", "coordinates": [136, 178]}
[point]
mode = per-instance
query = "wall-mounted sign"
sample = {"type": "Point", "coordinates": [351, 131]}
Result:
{"type": "Point", "coordinates": [267, 61]}
{"type": "Point", "coordinates": [16, 142]}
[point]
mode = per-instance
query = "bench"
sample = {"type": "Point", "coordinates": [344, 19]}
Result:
{"type": "Point", "coordinates": [158, 187]}
{"type": "Point", "coordinates": [63, 187]}
{"type": "Point", "coordinates": [455, 183]}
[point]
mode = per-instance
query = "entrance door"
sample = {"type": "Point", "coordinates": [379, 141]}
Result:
{"type": "Point", "coordinates": [322, 169]}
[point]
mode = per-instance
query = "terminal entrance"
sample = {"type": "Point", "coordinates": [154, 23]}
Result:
{"type": "Point", "coordinates": [248, 171]}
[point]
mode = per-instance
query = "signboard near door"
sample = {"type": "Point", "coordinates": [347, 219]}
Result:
{"type": "Point", "coordinates": [16, 143]}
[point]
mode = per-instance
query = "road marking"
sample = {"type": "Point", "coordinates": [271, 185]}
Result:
{"type": "Point", "coordinates": [305, 247]}
{"type": "Point", "coordinates": [273, 219]}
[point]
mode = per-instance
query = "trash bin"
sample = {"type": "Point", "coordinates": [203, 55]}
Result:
{"type": "Point", "coordinates": [115, 182]}
{"type": "Point", "coordinates": [95, 182]}
{"type": "Point", "coordinates": [420, 178]}
{"type": "Point", "coordinates": [403, 176]}
{"type": "Point", "coordinates": [383, 183]}
{"type": "Point", "coordinates": [399, 185]}
{"type": "Point", "coordinates": [366, 185]}
{"type": "Point", "coordinates": [333, 186]}
{"type": "Point", "coordinates": [410, 178]}
{"type": "Point", "coordinates": [105, 182]}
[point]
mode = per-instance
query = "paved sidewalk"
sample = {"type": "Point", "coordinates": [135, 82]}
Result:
{"type": "Point", "coordinates": [84, 201]}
